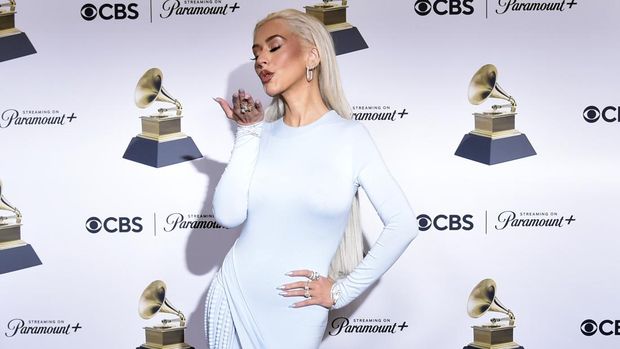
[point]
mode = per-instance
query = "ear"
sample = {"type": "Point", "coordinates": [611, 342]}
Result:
{"type": "Point", "coordinates": [313, 59]}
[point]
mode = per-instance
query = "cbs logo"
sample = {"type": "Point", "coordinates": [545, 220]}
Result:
{"type": "Point", "coordinates": [606, 327]}
{"type": "Point", "coordinates": [114, 225]}
{"type": "Point", "coordinates": [591, 114]}
{"type": "Point", "coordinates": [110, 11]}
{"type": "Point", "coordinates": [443, 7]}
{"type": "Point", "coordinates": [445, 222]}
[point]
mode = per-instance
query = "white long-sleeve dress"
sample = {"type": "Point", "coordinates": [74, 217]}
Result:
{"type": "Point", "coordinates": [293, 187]}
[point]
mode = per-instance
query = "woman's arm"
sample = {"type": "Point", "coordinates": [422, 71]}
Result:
{"type": "Point", "coordinates": [400, 224]}
{"type": "Point", "coordinates": [230, 200]}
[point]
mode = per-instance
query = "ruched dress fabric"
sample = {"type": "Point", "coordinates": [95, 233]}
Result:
{"type": "Point", "coordinates": [293, 187]}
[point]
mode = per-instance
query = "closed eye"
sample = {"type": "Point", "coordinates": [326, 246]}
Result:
{"type": "Point", "coordinates": [272, 50]}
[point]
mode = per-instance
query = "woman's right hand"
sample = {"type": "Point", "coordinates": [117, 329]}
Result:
{"type": "Point", "coordinates": [234, 113]}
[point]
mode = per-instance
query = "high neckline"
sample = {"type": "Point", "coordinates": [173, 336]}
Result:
{"type": "Point", "coordinates": [286, 130]}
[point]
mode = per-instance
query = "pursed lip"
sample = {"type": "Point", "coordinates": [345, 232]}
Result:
{"type": "Point", "coordinates": [265, 76]}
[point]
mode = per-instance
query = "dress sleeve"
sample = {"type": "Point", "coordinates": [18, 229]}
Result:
{"type": "Point", "coordinates": [400, 224]}
{"type": "Point", "coordinates": [230, 199]}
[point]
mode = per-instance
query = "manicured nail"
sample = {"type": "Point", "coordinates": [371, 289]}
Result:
{"type": "Point", "coordinates": [292, 306]}
{"type": "Point", "coordinates": [280, 287]}
{"type": "Point", "coordinates": [283, 293]}
{"type": "Point", "coordinates": [215, 99]}
{"type": "Point", "coordinates": [288, 273]}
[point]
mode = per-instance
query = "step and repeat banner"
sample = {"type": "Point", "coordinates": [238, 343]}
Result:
{"type": "Point", "coordinates": [498, 118]}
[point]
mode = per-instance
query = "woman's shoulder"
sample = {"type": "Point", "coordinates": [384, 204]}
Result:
{"type": "Point", "coordinates": [352, 127]}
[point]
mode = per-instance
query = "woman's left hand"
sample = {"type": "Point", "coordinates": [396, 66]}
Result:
{"type": "Point", "coordinates": [319, 290]}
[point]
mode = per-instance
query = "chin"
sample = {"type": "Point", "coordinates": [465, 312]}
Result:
{"type": "Point", "coordinates": [271, 91]}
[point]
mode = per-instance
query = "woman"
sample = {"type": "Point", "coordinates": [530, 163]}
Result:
{"type": "Point", "coordinates": [293, 178]}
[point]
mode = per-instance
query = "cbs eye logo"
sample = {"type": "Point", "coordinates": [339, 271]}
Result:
{"type": "Point", "coordinates": [443, 7]}
{"type": "Point", "coordinates": [606, 327]}
{"type": "Point", "coordinates": [592, 114]}
{"type": "Point", "coordinates": [110, 11]}
{"type": "Point", "coordinates": [114, 225]}
{"type": "Point", "coordinates": [445, 222]}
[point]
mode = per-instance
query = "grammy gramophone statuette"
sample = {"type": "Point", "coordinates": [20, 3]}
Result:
{"type": "Point", "coordinates": [15, 253]}
{"type": "Point", "coordinates": [494, 138]}
{"type": "Point", "coordinates": [13, 42]}
{"type": "Point", "coordinates": [164, 336]}
{"type": "Point", "coordinates": [347, 38]}
{"type": "Point", "coordinates": [161, 142]}
{"type": "Point", "coordinates": [499, 333]}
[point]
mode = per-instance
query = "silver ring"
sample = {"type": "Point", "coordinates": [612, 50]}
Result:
{"type": "Point", "coordinates": [307, 287]}
{"type": "Point", "coordinates": [307, 294]}
{"type": "Point", "coordinates": [246, 107]}
{"type": "Point", "coordinates": [315, 276]}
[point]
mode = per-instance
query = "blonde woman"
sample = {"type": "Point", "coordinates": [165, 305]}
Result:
{"type": "Point", "coordinates": [293, 178]}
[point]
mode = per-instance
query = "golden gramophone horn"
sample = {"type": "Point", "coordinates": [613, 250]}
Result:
{"type": "Point", "coordinates": [150, 89]}
{"type": "Point", "coordinates": [484, 85]}
{"type": "Point", "coordinates": [153, 301]}
{"type": "Point", "coordinates": [483, 299]}
{"type": "Point", "coordinates": [11, 4]}
{"type": "Point", "coordinates": [5, 205]}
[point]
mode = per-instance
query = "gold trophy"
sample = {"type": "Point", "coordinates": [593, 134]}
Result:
{"type": "Point", "coordinates": [161, 142]}
{"type": "Point", "coordinates": [494, 335]}
{"type": "Point", "coordinates": [334, 16]}
{"type": "Point", "coordinates": [13, 42]}
{"type": "Point", "coordinates": [15, 253]}
{"type": "Point", "coordinates": [164, 336]}
{"type": "Point", "coordinates": [494, 138]}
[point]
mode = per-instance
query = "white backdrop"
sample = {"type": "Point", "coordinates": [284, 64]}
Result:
{"type": "Point", "coordinates": [555, 64]}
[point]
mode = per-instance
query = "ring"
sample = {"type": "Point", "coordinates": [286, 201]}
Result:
{"type": "Point", "coordinates": [307, 294]}
{"type": "Point", "coordinates": [246, 107]}
{"type": "Point", "coordinates": [315, 276]}
{"type": "Point", "coordinates": [307, 287]}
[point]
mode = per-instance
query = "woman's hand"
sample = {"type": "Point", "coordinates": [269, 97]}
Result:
{"type": "Point", "coordinates": [319, 291]}
{"type": "Point", "coordinates": [235, 113]}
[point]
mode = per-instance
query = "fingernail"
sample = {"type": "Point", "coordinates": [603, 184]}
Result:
{"type": "Point", "coordinates": [288, 273]}
{"type": "Point", "coordinates": [292, 306]}
{"type": "Point", "coordinates": [280, 287]}
{"type": "Point", "coordinates": [215, 99]}
{"type": "Point", "coordinates": [282, 293]}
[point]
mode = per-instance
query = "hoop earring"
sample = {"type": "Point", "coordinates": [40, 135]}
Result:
{"type": "Point", "coordinates": [309, 74]}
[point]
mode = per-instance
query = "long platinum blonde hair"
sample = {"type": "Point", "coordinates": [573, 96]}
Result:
{"type": "Point", "coordinates": [313, 32]}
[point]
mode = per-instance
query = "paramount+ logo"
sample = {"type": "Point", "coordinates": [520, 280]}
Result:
{"type": "Point", "coordinates": [610, 113]}
{"type": "Point", "coordinates": [444, 7]}
{"type": "Point", "coordinates": [106, 12]}
{"type": "Point", "coordinates": [114, 225]}
{"type": "Point", "coordinates": [606, 327]}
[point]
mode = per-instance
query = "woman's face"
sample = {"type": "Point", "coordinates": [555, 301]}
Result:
{"type": "Point", "coordinates": [280, 57]}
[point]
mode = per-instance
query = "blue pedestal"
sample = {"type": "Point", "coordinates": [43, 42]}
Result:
{"type": "Point", "coordinates": [14, 46]}
{"type": "Point", "coordinates": [159, 154]}
{"type": "Point", "coordinates": [493, 151]}
{"type": "Point", "coordinates": [348, 40]}
{"type": "Point", "coordinates": [17, 258]}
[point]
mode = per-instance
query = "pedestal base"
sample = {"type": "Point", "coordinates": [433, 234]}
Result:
{"type": "Point", "coordinates": [15, 46]}
{"type": "Point", "coordinates": [165, 338]}
{"type": "Point", "coordinates": [172, 347]}
{"type": "Point", "coordinates": [493, 151]}
{"type": "Point", "coordinates": [471, 347]}
{"type": "Point", "coordinates": [17, 258]}
{"type": "Point", "coordinates": [159, 154]}
{"type": "Point", "coordinates": [348, 40]}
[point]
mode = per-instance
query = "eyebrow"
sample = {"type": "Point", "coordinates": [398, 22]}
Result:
{"type": "Point", "coordinates": [269, 39]}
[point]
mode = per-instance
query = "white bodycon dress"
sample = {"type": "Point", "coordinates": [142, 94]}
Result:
{"type": "Point", "coordinates": [293, 187]}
